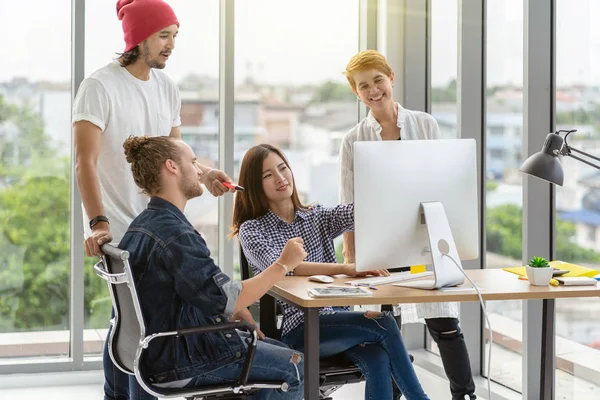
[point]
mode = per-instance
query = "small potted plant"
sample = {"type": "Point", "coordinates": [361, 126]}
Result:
{"type": "Point", "coordinates": [539, 271]}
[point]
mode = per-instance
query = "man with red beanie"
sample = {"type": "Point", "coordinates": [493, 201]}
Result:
{"type": "Point", "coordinates": [129, 96]}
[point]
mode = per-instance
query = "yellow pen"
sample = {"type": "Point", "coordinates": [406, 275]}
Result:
{"type": "Point", "coordinates": [553, 282]}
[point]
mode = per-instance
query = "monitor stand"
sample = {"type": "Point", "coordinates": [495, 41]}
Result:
{"type": "Point", "coordinates": [441, 242]}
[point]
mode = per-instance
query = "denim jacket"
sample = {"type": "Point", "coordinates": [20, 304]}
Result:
{"type": "Point", "coordinates": [180, 286]}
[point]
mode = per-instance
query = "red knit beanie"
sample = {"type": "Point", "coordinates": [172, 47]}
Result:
{"type": "Point", "coordinates": [142, 18]}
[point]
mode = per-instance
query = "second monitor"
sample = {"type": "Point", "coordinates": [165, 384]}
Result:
{"type": "Point", "coordinates": [415, 202]}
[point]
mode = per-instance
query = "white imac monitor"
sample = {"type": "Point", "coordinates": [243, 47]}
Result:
{"type": "Point", "coordinates": [415, 202]}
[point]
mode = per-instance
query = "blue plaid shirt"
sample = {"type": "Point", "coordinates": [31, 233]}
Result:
{"type": "Point", "coordinates": [263, 240]}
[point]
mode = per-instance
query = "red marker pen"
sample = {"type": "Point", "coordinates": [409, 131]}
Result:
{"type": "Point", "coordinates": [233, 186]}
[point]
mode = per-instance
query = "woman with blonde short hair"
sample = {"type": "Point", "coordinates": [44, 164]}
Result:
{"type": "Point", "coordinates": [372, 80]}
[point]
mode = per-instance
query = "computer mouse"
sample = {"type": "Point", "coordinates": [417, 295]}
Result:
{"type": "Point", "coordinates": [320, 278]}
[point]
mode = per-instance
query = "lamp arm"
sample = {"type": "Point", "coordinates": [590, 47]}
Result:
{"type": "Point", "coordinates": [567, 152]}
{"type": "Point", "coordinates": [584, 153]}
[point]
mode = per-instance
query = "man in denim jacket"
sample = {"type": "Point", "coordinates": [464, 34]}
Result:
{"type": "Point", "coordinates": [180, 286]}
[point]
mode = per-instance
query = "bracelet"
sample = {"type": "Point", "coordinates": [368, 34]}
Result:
{"type": "Point", "coordinates": [99, 218]}
{"type": "Point", "coordinates": [285, 267]}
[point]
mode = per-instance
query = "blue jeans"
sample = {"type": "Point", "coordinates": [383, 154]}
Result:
{"type": "Point", "coordinates": [373, 343]}
{"type": "Point", "coordinates": [117, 384]}
{"type": "Point", "coordinates": [273, 361]}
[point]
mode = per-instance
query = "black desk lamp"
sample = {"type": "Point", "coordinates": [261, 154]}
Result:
{"type": "Point", "coordinates": [546, 165]}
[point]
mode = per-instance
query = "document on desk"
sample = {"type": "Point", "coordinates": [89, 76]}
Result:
{"type": "Point", "coordinates": [459, 289]}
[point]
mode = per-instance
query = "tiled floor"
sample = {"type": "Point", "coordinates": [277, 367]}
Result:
{"type": "Point", "coordinates": [436, 388]}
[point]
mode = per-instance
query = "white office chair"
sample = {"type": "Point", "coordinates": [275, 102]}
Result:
{"type": "Point", "coordinates": [128, 340]}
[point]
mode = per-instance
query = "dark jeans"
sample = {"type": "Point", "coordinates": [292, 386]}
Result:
{"type": "Point", "coordinates": [454, 354]}
{"type": "Point", "coordinates": [373, 343]}
{"type": "Point", "coordinates": [273, 361]}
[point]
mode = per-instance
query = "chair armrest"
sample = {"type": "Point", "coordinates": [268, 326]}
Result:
{"type": "Point", "coordinates": [251, 341]}
{"type": "Point", "coordinates": [215, 328]}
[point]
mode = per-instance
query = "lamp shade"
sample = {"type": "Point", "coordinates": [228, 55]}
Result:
{"type": "Point", "coordinates": [545, 164]}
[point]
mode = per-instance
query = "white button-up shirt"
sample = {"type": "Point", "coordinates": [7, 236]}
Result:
{"type": "Point", "coordinates": [414, 125]}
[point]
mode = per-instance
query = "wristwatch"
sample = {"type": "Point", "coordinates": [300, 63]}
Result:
{"type": "Point", "coordinates": [99, 218]}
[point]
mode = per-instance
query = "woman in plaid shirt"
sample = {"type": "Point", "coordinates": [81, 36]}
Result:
{"type": "Point", "coordinates": [269, 213]}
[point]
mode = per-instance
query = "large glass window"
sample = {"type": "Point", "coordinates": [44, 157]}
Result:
{"type": "Point", "coordinates": [444, 65]}
{"type": "Point", "coordinates": [444, 68]}
{"type": "Point", "coordinates": [578, 200]}
{"type": "Point", "coordinates": [35, 174]}
{"type": "Point", "coordinates": [504, 101]}
{"type": "Point", "coordinates": [194, 67]}
{"type": "Point", "coordinates": [290, 88]}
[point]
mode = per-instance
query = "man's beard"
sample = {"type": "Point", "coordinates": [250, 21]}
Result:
{"type": "Point", "coordinates": [191, 188]}
{"type": "Point", "coordinates": [152, 63]}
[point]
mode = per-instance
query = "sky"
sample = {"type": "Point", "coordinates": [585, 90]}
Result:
{"type": "Point", "coordinates": [278, 42]}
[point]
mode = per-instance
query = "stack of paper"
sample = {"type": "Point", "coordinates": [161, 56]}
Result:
{"type": "Point", "coordinates": [577, 281]}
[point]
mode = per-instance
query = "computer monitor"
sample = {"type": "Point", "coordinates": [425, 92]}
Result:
{"type": "Point", "coordinates": [415, 200]}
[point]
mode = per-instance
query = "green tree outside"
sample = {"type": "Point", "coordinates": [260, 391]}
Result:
{"type": "Point", "coordinates": [35, 232]}
{"type": "Point", "coordinates": [332, 91]}
{"type": "Point", "coordinates": [504, 236]}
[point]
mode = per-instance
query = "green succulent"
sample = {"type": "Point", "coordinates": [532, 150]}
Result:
{"type": "Point", "coordinates": [538, 262]}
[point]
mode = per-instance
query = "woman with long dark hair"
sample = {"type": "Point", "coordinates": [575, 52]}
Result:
{"type": "Point", "coordinates": [266, 215]}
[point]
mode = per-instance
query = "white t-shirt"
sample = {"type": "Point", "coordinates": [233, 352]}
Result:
{"type": "Point", "coordinates": [414, 125]}
{"type": "Point", "coordinates": [122, 105]}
